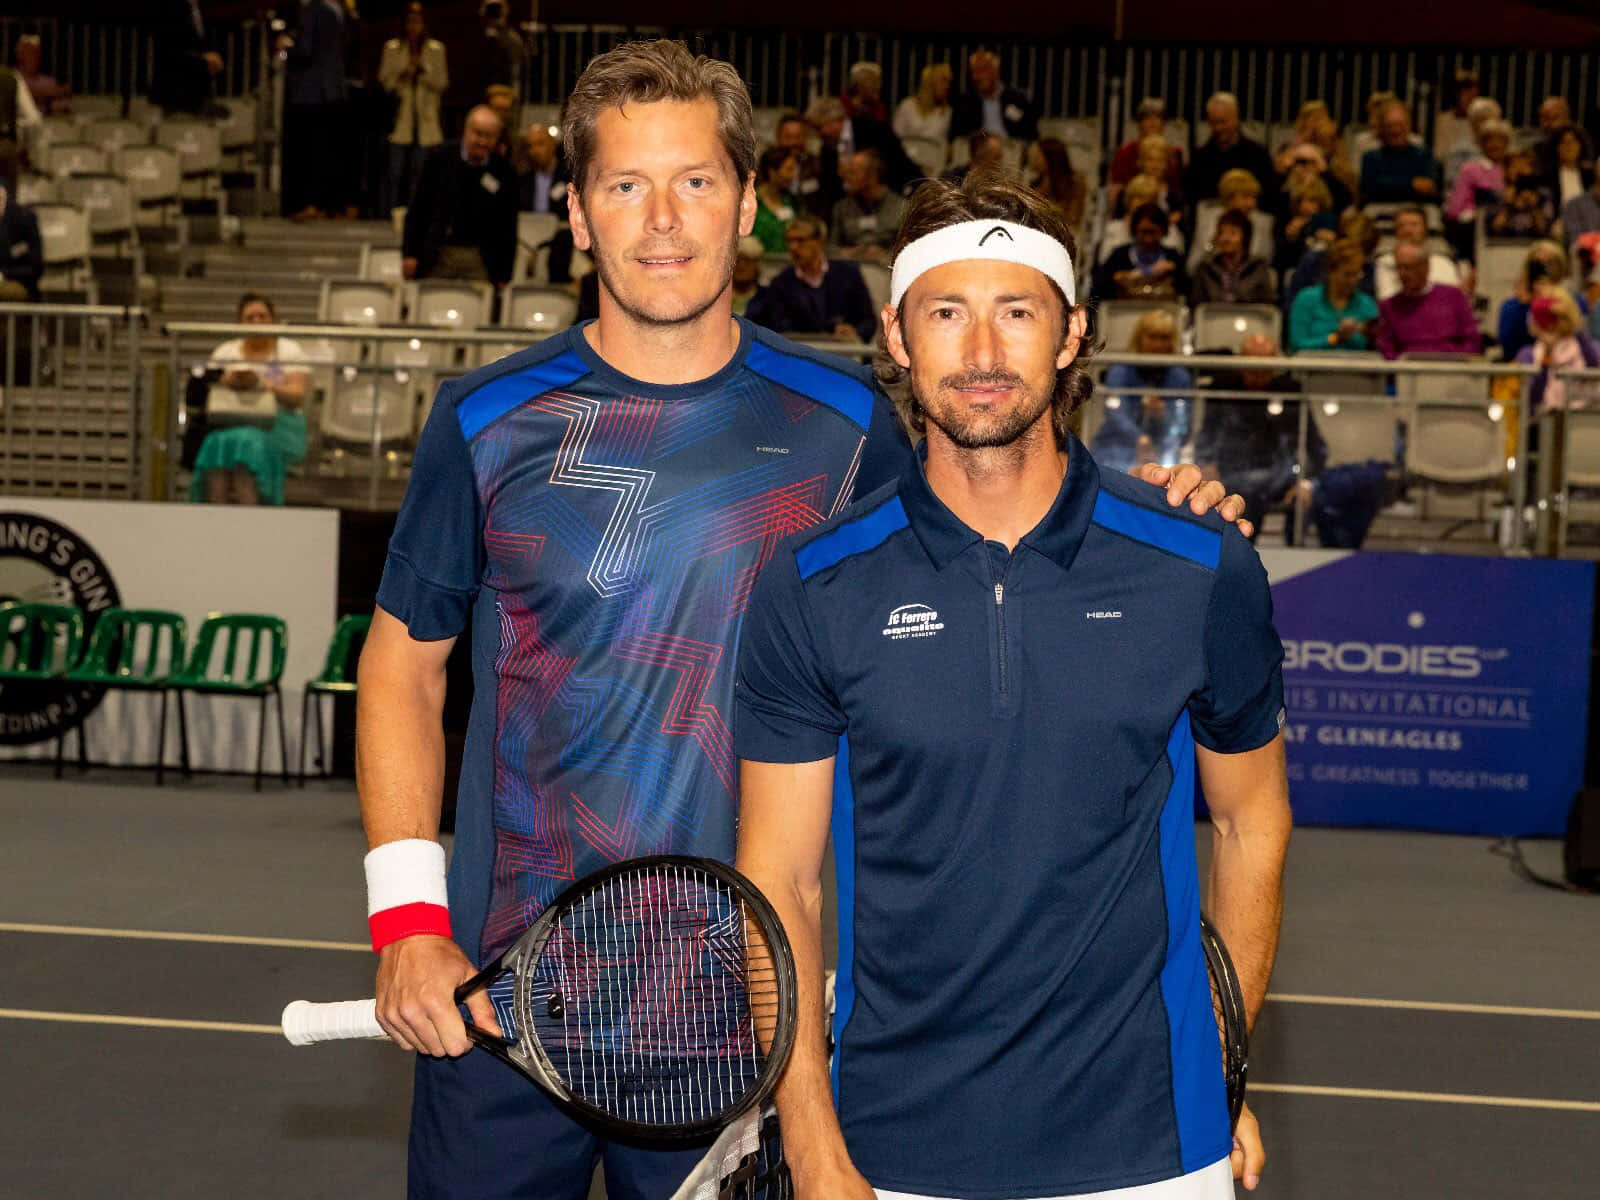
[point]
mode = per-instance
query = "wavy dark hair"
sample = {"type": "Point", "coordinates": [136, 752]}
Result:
{"type": "Point", "coordinates": [983, 196]}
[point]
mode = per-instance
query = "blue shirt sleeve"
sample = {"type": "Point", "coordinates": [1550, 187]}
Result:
{"type": "Point", "coordinates": [436, 558]}
{"type": "Point", "coordinates": [884, 455]}
{"type": "Point", "coordinates": [785, 710]}
{"type": "Point", "coordinates": [1241, 706]}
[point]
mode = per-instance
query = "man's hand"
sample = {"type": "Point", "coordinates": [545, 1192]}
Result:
{"type": "Point", "coordinates": [213, 62]}
{"type": "Point", "coordinates": [1187, 482]}
{"type": "Point", "coordinates": [1423, 186]}
{"type": "Point", "coordinates": [417, 979]}
{"type": "Point", "coordinates": [1248, 1156]}
{"type": "Point", "coordinates": [408, 267]}
{"type": "Point", "coordinates": [847, 331]}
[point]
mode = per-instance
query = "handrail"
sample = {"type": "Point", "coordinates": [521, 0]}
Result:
{"type": "Point", "coordinates": [438, 333]}
{"type": "Point", "coordinates": [21, 309]}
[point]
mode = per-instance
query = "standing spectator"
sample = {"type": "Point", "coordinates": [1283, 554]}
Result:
{"type": "Point", "coordinates": [21, 250]}
{"type": "Point", "coordinates": [1545, 269]}
{"type": "Point", "coordinates": [18, 115]}
{"type": "Point", "coordinates": [1526, 209]}
{"type": "Point", "coordinates": [794, 135]}
{"type": "Point", "coordinates": [1145, 268]}
{"type": "Point", "coordinates": [990, 105]}
{"type": "Point", "coordinates": [863, 94]}
{"type": "Point", "coordinates": [867, 221]}
{"type": "Point", "coordinates": [1581, 215]}
{"type": "Point", "coordinates": [503, 56]}
{"type": "Point", "coordinates": [50, 95]}
{"type": "Point", "coordinates": [246, 464]}
{"type": "Point", "coordinates": [183, 67]}
{"type": "Point", "coordinates": [1452, 128]}
{"type": "Point", "coordinates": [1557, 343]}
{"type": "Point", "coordinates": [814, 295]}
{"type": "Point", "coordinates": [1146, 426]}
{"type": "Point", "coordinates": [1424, 316]}
{"type": "Point", "coordinates": [314, 96]}
{"type": "Point", "coordinates": [1411, 229]}
{"type": "Point", "coordinates": [1255, 444]}
{"type": "Point", "coordinates": [1574, 166]}
{"type": "Point", "coordinates": [922, 120]}
{"type": "Point", "coordinates": [1482, 180]}
{"type": "Point", "coordinates": [1398, 169]}
{"type": "Point", "coordinates": [1309, 222]}
{"type": "Point", "coordinates": [1230, 273]}
{"type": "Point", "coordinates": [503, 101]}
{"type": "Point", "coordinates": [1334, 315]}
{"type": "Point", "coordinates": [413, 70]}
{"type": "Point", "coordinates": [775, 176]}
{"type": "Point", "coordinates": [1126, 163]}
{"type": "Point", "coordinates": [1228, 149]}
{"type": "Point", "coordinates": [1555, 114]}
{"type": "Point", "coordinates": [827, 116]}
{"type": "Point", "coordinates": [462, 222]}
{"type": "Point", "coordinates": [1050, 174]}
{"type": "Point", "coordinates": [749, 295]}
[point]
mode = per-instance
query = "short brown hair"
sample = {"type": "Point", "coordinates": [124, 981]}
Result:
{"type": "Point", "coordinates": [985, 195]}
{"type": "Point", "coordinates": [1345, 252]}
{"type": "Point", "coordinates": [650, 71]}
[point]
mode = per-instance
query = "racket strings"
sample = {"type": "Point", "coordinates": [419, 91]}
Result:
{"type": "Point", "coordinates": [651, 994]}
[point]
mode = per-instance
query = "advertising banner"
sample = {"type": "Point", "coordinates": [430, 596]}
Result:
{"type": "Point", "coordinates": [1429, 691]}
{"type": "Point", "coordinates": [192, 559]}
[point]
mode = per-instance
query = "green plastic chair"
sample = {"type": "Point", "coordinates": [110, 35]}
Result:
{"type": "Point", "coordinates": [238, 654]}
{"type": "Point", "coordinates": [131, 649]}
{"type": "Point", "coordinates": [337, 678]}
{"type": "Point", "coordinates": [39, 642]}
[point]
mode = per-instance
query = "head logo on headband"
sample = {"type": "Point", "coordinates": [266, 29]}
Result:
{"type": "Point", "coordinates": [996, 241]}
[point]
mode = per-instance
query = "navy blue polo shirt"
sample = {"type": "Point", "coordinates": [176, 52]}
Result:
{"type": "Point", "coordinates": [599, 536]}
{"type": "Point", "coordinates": [1022, 1003]}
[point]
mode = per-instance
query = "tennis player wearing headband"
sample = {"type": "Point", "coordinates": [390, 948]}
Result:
{"type": "Point", "coordinates": [997, 677]}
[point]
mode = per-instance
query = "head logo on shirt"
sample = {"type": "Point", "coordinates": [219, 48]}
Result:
{"type": "Point", "coordinates": [912, 621]}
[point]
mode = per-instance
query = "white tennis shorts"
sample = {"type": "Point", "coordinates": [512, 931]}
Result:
{"type": "Point", "coordinates": [1208, 1183]}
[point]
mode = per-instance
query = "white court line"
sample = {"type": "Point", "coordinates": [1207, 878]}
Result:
{"type": "Point", "coordinates": [153, 935]}
{"type": "Point", "coordinates": [34, 1014]}
{"type": "Point", "coordinates": [1306, 1089]}
{"type": "Point", "coordinates": [1492, 1010]}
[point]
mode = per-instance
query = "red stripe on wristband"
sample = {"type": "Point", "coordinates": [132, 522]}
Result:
{"type": "Point", "coordinates": [408, 920]}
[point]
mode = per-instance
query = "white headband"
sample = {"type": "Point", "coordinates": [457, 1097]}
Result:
{"type": "Point", "coordinates": [1002, 241]}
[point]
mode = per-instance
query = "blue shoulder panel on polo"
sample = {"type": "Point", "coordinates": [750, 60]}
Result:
{"type": "Point", "coordinates": [853, 537]}
{"type": "Point", "coordinates": [1171, 533]}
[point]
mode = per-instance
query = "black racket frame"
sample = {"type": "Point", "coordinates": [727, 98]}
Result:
{"type": "Point", "coordinates": [526, 1054]}
{"type": "Point", "coordinates": [1235, 1027]}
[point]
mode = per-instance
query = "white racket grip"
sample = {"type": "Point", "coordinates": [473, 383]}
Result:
{"type": "Point", "coordinates": [305, 1022]}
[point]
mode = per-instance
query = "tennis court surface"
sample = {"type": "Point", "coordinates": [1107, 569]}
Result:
{"type": "Point", "coordinates": [1434, 1029]}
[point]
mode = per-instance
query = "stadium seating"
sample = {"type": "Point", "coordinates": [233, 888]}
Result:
{"type": "Point", "coordinates": [1224, 326]}
{"type": "Point", "coordinates": [359, 302]}
{"type": "Point", "coordinates": [450, 303]}
{"type": "Point", "coordinates": [1117, 318]}
{"type": "Point", "coordinates": [537, 309]}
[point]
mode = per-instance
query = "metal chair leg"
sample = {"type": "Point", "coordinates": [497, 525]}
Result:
{"type": "Point", "coordinates": [283, 737]}
{"type": "Point", "coordinates": [83, 744]}
{"type": "Point", "coordinates": [183, 736]}
{"type": "Point", "coordinates": [324, 769]}
{"type": "Point", "coordinates": [300, 756]}
{"type": "Point", "coordinates": [261, 739]}
{"type": "Point", "coordinates": [161, 741]}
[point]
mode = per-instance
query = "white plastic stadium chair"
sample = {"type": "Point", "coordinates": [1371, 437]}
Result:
{"type": "Point", "coordinates": [1117, 318]}
{"type": "Point", "coordinates": [76, 158]}
{"type": "Point", "coordinates": [877, 279]}
{"type": "Point", "coordinates": [359, 302]}
{"type": "Point", "coordinates": [1223, 326]}
{"type": "Point", "coordinates": [1354, 417]}
{"type": "Point", "coordinates": [450, 303]}
{"type": "Point", "coordinates": [152, 173]}
{"type": "Point", "coordinates": [537, 309]}
{"type": "Point", "coordinates": [348, 414]}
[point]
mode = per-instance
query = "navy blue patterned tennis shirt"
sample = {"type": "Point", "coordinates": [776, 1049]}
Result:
{"type": "Point", "coordinates": [1022, 1001]}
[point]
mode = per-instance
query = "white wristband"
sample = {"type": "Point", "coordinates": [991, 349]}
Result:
{"type": "Point", "coordinates": [406, 891]}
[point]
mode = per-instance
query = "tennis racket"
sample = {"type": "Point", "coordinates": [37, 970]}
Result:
{"type": "Point", "coordinates": [1227, 1005]}
{"type": "Point", "coordinates": [655, 997]}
